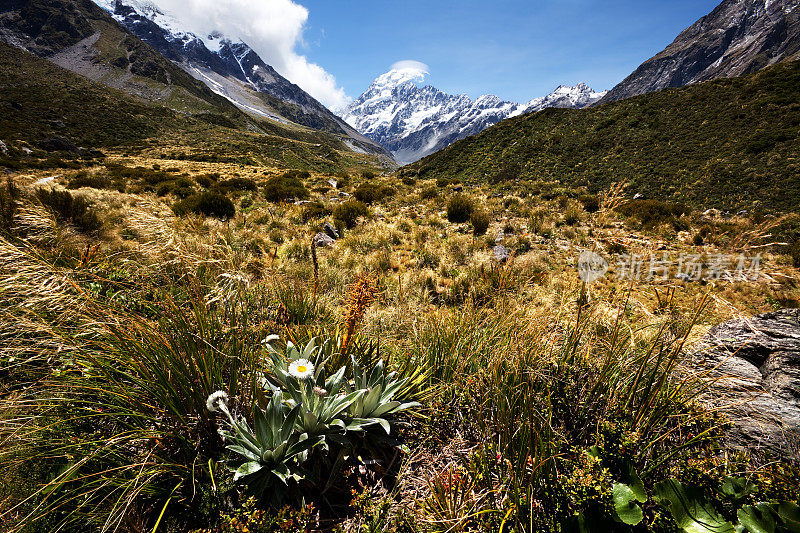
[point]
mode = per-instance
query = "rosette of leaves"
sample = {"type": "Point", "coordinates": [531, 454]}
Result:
{"type": "Point", "coordinates": [268, 456]}
{"type": "Point", "coordinates": [323, 400]}
{"type": "Point", "coordinates": [378, 401]}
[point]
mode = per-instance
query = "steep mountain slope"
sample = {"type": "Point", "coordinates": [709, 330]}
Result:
{"type": "Point", "coordinates": [737, 38]}
{"type": "Point", "coordinates": [729, 143]}
{"type": "Point", "coordinates": [79, 36]}
{"type": "Point", "coordinates": [413, 121]}
{"type": "Point", "coordinates": [232, 69]}
{"type": "Point", "coordinates": [47, 113]}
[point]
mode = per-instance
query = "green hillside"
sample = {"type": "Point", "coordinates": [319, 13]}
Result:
{"type": "Point", "coordinates": [40, 101]}
{"type": "Point", "coordinates": [729, 143]}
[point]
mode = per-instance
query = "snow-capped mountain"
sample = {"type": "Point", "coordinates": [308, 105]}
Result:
{"type": "Point", "coordinates": [413, 121]}
{"type": "Point", "coordinates": [737, 38]}
{"type": "Point", "coordinates": [229, 67]}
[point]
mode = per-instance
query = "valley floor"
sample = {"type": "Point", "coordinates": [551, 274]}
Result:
{"type": "Point", "coordinates": [528, 400]}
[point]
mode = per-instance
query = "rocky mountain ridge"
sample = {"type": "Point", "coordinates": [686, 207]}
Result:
{"type": "Point", "coordinates": [739, 37]}
{"type": "Point", "coordinates": [413, 121]}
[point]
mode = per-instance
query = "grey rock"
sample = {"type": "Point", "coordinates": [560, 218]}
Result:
{"type": "Point", "coordinates": [737, 38]}
{"type": "Point", "coordinates": [329, 230]}
{"type": "Point", "coordinates": [752, 367]}
{"type": "Point", "coordinates": [458, 188]}
{"type": "Point", "coordinates": [302, 202]}
{"type": "Point", "coordinates": [638, 196]}
{"type": "Point", "coordinates": [322, 240]}
{"type": "Point", "coordinates": [333, 183]}
{"type": "Point", "coordinates": [3, 148]}
{"type": "Point", "coordinates": [343, 194]}
{"type": "Point", "coordinates": [501, 253]}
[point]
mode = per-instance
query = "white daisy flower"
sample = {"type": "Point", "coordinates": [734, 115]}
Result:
{"type": "Point", "coordinates": [216, 400]}
{"type": "Point", "coordinates": [301, 369]}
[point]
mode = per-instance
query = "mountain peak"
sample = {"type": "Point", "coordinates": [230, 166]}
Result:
{"type": "Point", "coordinates": [413, 121]}
{"type": "Point", "coordinates": [401, 74]}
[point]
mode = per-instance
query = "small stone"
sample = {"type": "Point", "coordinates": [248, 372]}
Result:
{"type": "Point", "coordinates": [330, 231]}
{"type": "Point", "coordinates": [343, 194]}
{"type": "Point", "coordinates": [458, 188]}
{"type": "Point", "coordinates": [302, 202]}
{"type": "Point", "coordinates": [322, 240]}
{"type": "Point", "coordinates": [333, 183]}
{"type": "Point", "coordinates": [3, 148]}
{"type": "Point", "coordinates": [501, 253]}
{"type": "Point", "coordinates": [638, 196]}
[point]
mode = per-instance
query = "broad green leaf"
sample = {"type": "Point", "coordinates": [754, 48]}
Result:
{"type": "Point", "coordinates": [625, 506]}
{"type": "Point", "coordinates": [757, 518]}
{"type": "Point", "coordinates": [689, 508]}
{"type": "Point", "coordinates": [247, 469]}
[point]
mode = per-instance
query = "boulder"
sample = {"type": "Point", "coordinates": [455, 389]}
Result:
{"type": "Point", "coordinates": [330, 231]}
{"type": "Point", "coordinates": [322, 240]}
{"type": "Point", "coordinates": [57, 144]}
{"type": "Point", "coordinates": [752, 369]}
{"type": "Point", "coordinates": [501, 253]}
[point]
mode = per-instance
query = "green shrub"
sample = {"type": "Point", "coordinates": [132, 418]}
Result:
{"type": "Point", "coordinates": [72, 209]}
{"type": "Point", "coordinates": [349, 212]}
{"type": "Point", "coordinates": [236, 184]}
{"type": "Point", "coordinates": [572, 214]}
{"type": "Point", "coordinates": [480, 220]}
{"type": "Point", "coordinates": [429, 192]}
{"type": "Point", "coordinates": [590, 202]}
{"type": "Point", "coordinates": [313, 211]}
{"type": "Point", "coordinates": [651, 213]}
{"type": "Point", "coordinates": [795, 253]}
{"type": "Point", "coordinates": [368, 174]}
{"type": "Point", "coordinates": [210, 204]}
{"type": "Point", "coordinates": [94, 182]}
{"type": "Point", "coordinates": [459, 209]}
{"type": "Point", "coordinates": [369, 192]}
{"type": "Point", "coordinates": [9, 196]}
{"type": "Point", "coordinates": [285, 187]}
{"type": "Point", "coordinates": [181, 187]}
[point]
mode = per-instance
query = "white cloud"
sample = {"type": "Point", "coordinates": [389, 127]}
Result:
{"type": "Point", "coordinates": [273, 28]}
{"type": "Point", "coordinates": [411, 65]}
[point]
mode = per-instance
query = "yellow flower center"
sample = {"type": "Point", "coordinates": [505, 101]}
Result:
{"type": "Point", "coordinates": [302, 368]}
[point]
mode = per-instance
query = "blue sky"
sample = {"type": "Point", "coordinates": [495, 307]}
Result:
{"type": "Point", "coordinates": [513, 48]}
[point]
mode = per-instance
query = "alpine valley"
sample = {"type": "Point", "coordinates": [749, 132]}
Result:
{"type": "Point", "coordinates": [226, 309]}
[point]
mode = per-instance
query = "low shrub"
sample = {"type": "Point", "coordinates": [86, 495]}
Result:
{"type": "Point", "coordinates": [285, 187]}
{"type": "Point", "coordinates": [236, 184]}
{"type": "Point", "coordinates": [428, 193]}
{"type": "Point", "coordinates": [459, 209]}
{"type": "Point", "coordinates": [181, 187]}
{"type": "Point", "coordinates": [349, 212]}
{"type": "Point", "coordinates": [210, 204]}
{"type": "Point", "coordinates": [590, 202]}
{"type": "Point", "coordinates": [71, 209]}
{"type": "Point", "coordinates": [314, 211]}
{"type": "Point", "coordinates": [94, 182]}
{"type": "Point", "coordinates": [369, 193]}
{"type": "Point", "coordinates": [480, 220]}
{"type": "Point", "coordinates": [651, 213]}
{"type": "Point", "coordinates": [795, 253]}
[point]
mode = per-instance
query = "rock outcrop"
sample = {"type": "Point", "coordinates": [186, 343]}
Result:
{"type": "Point", "coordinates": [737, 38]}
{"type": "Point", "coordinates": [752, 367]}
